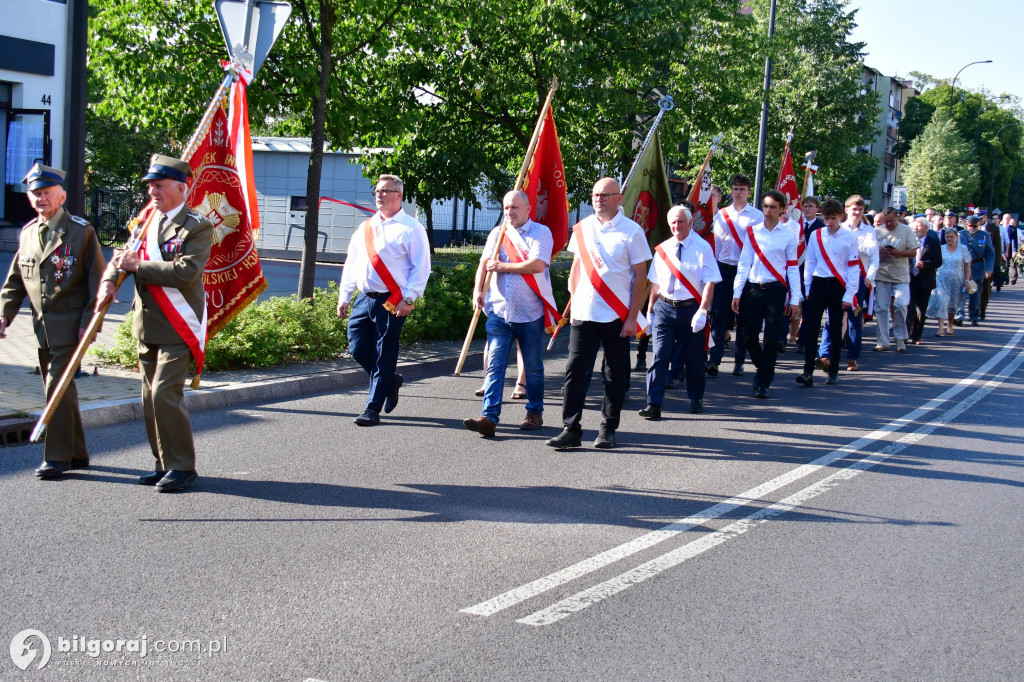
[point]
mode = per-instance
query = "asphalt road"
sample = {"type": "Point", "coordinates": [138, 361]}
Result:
{"type": "Point", "coordinates": [869, 530]}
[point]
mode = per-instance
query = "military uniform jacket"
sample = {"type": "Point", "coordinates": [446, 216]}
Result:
{"type": "Point", "coordinates": [185, 242]}
{"type": "Point", "coordinates": [60, 279]}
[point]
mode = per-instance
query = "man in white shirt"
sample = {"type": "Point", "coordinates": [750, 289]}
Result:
{"type": "Point", "coordinates": [867, 248]}
{"type": "Point", "coordinates": [607, 287]}
{"type": "Point", "coordinates": [682, 277]}
{"type": "Point", "coordinates": [731, 225]}
{"type": "Point", "coordinates": [515, 304]}
{"type": "Point", "coordinates": [766, 273]}
{"type": "Point", "coordinates": [831, 276]}
{"type": "Point", "coordinates": [388, 263]}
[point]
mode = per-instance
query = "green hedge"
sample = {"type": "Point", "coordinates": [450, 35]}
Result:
{"type": "Point", "coordinates": [283, 330]}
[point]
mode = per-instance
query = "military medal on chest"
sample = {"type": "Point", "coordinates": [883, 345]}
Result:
{"type": "Point", "coordinates": [63, 261]}
{"type": "Point", "coordinates": [173, 246]}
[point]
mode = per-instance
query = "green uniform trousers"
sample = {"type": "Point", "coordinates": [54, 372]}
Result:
{"type": "Point", "coordinates": [65, 437]}
{"type": "Point", "coordinates": [164, 368]}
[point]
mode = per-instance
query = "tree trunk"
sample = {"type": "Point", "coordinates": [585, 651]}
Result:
{"type": "Point", "coordinates": [428, 211]}
{"type": "Point", "coordinates": [307, 270]}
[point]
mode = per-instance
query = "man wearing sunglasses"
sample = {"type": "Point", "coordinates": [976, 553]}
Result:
{"type": "Point", "coordinates": [388, 263]}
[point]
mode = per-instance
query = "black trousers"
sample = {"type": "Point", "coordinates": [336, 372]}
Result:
{"type": "Point", "coordinates": [919, 297]}
{"type": "Point", "coordinates": [826, 294]}
{"type": "Point", "coordinates": [762, 305]}
{"type": "Point", "coordinates": [584, 339]}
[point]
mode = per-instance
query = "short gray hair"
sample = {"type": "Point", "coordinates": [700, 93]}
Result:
{"type": "Point", "coordinates": [394, 180]}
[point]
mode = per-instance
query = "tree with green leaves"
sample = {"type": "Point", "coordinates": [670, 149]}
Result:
{"type": "Point", "coordinates": [940, 170]}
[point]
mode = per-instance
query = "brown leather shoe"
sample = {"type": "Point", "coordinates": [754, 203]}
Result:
{"type": "Point", "coordinates": [532, 422]}
{"type": "Point", "coordinates": [851, 365]}
{"type": "Point", "coordinates": [482, 425]}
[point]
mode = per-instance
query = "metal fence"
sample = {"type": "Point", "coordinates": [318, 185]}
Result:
{"type": "Point", "coordinates": [109, 211]}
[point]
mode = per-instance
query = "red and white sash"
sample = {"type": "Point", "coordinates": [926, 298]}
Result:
{"type": "Point", "coordinates": [373, 236]}
{"type": "Point", "coordinates": [764, 259]}
{"type": "Point", "coordinates": [518, 252]}
{"type": "Point", "coordinates": [174, 306]}
{"type": "Point", "coordinates": [593, 261]}
{"type": "Point", "coordinates": [676, 268]}
{"type": "Point", "coordinates": [732, 228]}
{"type": "Point", "coordinates": [828, 260]}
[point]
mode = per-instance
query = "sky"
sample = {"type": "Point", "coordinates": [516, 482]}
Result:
{"type": "Point", "coordinates": [938, 37]}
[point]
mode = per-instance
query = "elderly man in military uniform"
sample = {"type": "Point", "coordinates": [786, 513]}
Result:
{"type": "Point", "coordinates": [169, 296]}
{"type": "Point", "coordinates": [58, 267]}
{"type": "Point", "coordinates": [983, 257]}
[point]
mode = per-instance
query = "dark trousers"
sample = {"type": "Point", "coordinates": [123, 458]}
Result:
{"type": "Point", "coordinates": [919, 297]}
{"type": "Point", "coordinates": [762, 305]}
{"type": "Point", "coordinates": [721, 315]}
{"type": "Point", "coordinates": [373, 335]}
{"type": "Point", "coordinates": [584, 340]}
{"type": "Point", "coordinates": [826, 294]}
{"type": "Point", "coordinates": [670, 328]}
{"type": "Point", "coordinates": [65, 437]}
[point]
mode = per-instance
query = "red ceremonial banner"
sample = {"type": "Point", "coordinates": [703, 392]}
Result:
{"type": "Point", "coordinates": [786, 184]}
{"type": "Point", "coordinates": [703, 198]}
{"type": "Point", "coordinates": [545, 185]}
{"type": "Point", "coordinates": [225, 192]}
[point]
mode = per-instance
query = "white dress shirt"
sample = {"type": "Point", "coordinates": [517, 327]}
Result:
{"type": "Point", "coordinates": [842, 251]}
{"type": "Point", "coordinates": [726, 248]}
{"type": "Point", "coordinates": [622, 244]}
{"type": "Point", "coordinates": [406, 251]}
{"type": "Point", "coordinates": [867, 247]}
{"type": "Point", "coordinates": [779, 247]}
{"type": "Point", "coordinates": [696, 259]}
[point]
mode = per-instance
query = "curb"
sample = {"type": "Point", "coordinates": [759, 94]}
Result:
{"type": "Point", "coordinates": [16, 431]}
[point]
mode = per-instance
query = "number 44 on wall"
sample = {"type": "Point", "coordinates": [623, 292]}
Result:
{"type": "Point", "coordinates": [45, 99]}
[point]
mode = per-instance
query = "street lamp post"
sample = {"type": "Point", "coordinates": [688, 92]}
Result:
{"type": "Point", "coordinates": [952, 83]}
{"type": "Point", "coordinates": [992, 172]}
{"type": "Point", "coordinates": [762, 137]}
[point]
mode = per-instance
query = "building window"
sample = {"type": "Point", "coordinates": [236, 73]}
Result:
{"type": "Point", "coordinates": [5, 95]}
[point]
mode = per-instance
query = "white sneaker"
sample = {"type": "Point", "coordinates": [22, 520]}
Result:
{"type": "Point", "coordinates": [900, 345]}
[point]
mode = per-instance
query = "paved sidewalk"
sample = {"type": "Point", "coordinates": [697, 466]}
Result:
{"type": "Point", "coordinates": [110, 394]}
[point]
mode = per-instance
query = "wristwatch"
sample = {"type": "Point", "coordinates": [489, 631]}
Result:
{"type": "Point", "coordinates": [409, 301]}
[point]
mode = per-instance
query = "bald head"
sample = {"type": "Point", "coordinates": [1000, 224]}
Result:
{"type": "Point", "coordinates": [516, 206]}
{"type": "Point", "coordinates": [606, 198]}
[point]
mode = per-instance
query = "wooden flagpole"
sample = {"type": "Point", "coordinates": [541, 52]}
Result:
{"type": "Point", "coordinates": [531, 148]}
{"type": "Point", "coordinates": [136, 242]}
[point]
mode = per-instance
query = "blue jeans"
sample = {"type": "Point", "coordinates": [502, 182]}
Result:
{"type": "Point", "coordinates": [672, 335]}
{"type": "Point", "coordinates": [373, 335]}
{"type": "Point", "coordinates": [501, 338]}
{"type": "Point", "coordinates": [855, 330]}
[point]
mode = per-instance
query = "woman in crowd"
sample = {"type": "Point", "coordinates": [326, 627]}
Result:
{"type": "Point", "coordinates": [949, 283]}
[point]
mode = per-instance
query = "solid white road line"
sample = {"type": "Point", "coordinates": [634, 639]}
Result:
{"type": "Point", "coordinates": [541, 585]}
{"type": "Point", "coordinates": [602, 591]}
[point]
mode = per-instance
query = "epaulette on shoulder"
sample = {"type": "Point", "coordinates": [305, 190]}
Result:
{"type": "Point", "coordinates": [197, 216]}
{"type": "Point", "coordinates": [80, 221]}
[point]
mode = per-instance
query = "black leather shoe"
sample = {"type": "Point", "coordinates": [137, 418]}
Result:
{"type": "Point", "coordinates": [711, 368]}
{"type": "Point", "coordinates": [391, 402]}
{"type": "Point", "coordinates": [568, 438]}
{"type": "Point", "coordinates": [651, 412]}
{"type": "Point", "coordinates": [153, 478]}
{"type": "Point", "coordinates": [761, 392]}
{"type": "Point", "coordinates": [696, 406]}
{"type": "Point", "coordinates": [367, 418]}
{"type": "Point", "coordinates": [176, 480]}
{"type": "Point", "coordinates": [641, 365]}
{"type": "Point", "coordinates": [800, 348]}
{"type": "Point", "coordinates": [737, 369]}
{"type": "Point", "coordinates": [781, 348]}
{"type": "Point", "coordinates": [832, 379]}
{"type": "Point", "coordinates": [805, 379]}
{"type": "Point", "coordinates": [605, 439]}
{"type": "Point", "coordinates": [50, 470]}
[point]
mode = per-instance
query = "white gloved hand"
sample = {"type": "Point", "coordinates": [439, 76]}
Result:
{"type": "Point", "coordinates": [700, 318]}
